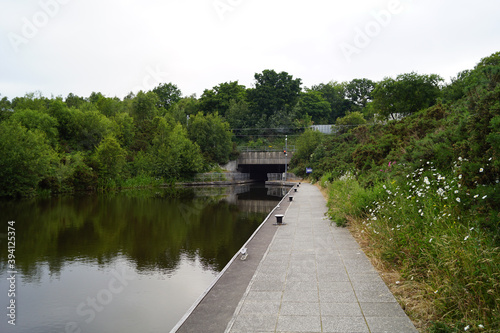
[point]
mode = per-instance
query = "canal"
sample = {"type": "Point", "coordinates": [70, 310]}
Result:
{"type": "Point", "coordinates": [132, 261]}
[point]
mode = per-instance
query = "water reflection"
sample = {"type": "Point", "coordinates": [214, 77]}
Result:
{"type": "Point", "coordinates": [172, 242]}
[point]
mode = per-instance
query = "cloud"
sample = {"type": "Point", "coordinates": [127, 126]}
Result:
{"type": "Point", "coordinates": [112, 46]}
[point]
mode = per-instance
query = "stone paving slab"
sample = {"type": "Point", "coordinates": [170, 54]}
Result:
{"type": "Point", "coordinates": [315, 278]}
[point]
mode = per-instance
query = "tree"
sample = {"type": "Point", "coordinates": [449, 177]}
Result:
{"type": "Point", "coordinates": [173, 155]}
{"type": "Point", "coordinates": [124, 128]}
{"type": "Point", "coordinates": [186, 106]}
{"type": "Point", "coordinates": [38, 120]}
{"type": "Point", "coordinates": [88, 128]}
{"type": "Point", "coordinates": [306, 145]}
{"type": "Point", "coordinates": [352, 119]}
{"type": "Point", "coordinates": [273, 92]}
{"type": "Point", "coordinates": [218, 99]}
{"type": "Point", "coordinates": [168, 94]}
{"type": "Point", "coordinates": [335, 94]}
{"type": "Point", "coordinates": [358, 91]}
{"type": "Point", "coordinates": [110, 158]}
{"type": "Point", "coordinates": [239, 115]}
{"type": "Point", "coordinates": [213, 135]}
{"type": "Point", "coordinates": [5, 108]}
{"type": "Point", "coordinates": [144, 106]}
{"type": "Point", "coordinates": [75, 101]}
{"type": "Point", "coordinates": [25, 159]}
{"type": "Point", "coordinates": [406, 94]}
{"type": "Point", "coordinates": [313, 104]}
{"type": "Point", "coordinates": [457, 88]}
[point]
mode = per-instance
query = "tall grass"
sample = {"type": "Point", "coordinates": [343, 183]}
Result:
{"type": "Point", "coordinates": [426, 226]}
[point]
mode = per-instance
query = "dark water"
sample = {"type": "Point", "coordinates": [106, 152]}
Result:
{"type": "Point", "coordinates": [133, 261]}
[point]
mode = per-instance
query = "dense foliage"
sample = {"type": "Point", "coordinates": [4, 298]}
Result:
{"type": "Point", "coordinates": [424, 191]}
{"type": "Point", "coordinates": [95, 143]}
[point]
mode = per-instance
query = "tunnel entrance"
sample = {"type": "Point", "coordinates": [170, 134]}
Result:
{"type": "Point", "coordinates": [259, 172]}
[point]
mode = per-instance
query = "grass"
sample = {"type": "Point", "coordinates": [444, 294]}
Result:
{"type": "Point", "coordinates": [423, 228]}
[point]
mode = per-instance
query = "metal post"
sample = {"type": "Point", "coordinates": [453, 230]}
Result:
{"type": "Point", "coordinates": [286, 149]}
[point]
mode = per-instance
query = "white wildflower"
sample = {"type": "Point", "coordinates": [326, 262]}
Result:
{"type": "Point", "coordinates": [466, 238]}
{"type": "Point", "coordinates": [476, 196]}
{"type": "Point", "coordinates": [458, 199]}
{"type": "Point", "coordinates": [466, 328]}
{"type": "Point", "coordinates": [481, 170]}
{"type": "Point", "coordinates": [484, 197]}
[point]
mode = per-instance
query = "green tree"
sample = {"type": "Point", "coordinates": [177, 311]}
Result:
{"type": "Point", "coordinates": [457, 88]}
{"type": "Point", "coordinates": [213, 135]}
{"type": "Point", "coordinates": [25, 159]}
{"type": "Point", "coordinates": [239, 115]}
{"type": "Point", "coordinates": [5, 108]}
{"type": "Point", "coordinates": [352, 119]}
{"type": "Point", "coordinates": [306, 144]}
{"type": "Point", "coordinates": [88, 128]}
{"type": "Point", "coordinates": [218, 99]}
{"type": "Point", "coordinates": [335, 94]}
{"type": "Point", "coordinates": [313, 104]}
{"type": "Point", "coordinates": [110, 158]}
{"type": "Point", "coordinates": [358, 91]}
{"type": "Point", "coordinates": [406, 94]}
{"type": "Point", "coordinates": [124, 128]}
{"type": "Point", "coordinates": [58, 110]}
{"type": "Point", "coordinates": [168, 94]}
{"type": "Point", "coordinates": [40, 120]}
{"type": "Point", "coordinates": [273, 92]}
{"type": "Point", "coordinates": [173, 156]}
{"type": "Point", "coordinates": [33, 101]}
{"type": "Point", "coordinates": [144, 106]}
{"type": "Point", "coordinates": [75, 101]}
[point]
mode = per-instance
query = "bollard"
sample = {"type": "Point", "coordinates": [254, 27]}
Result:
{"type": "Point", "coordinates": [295, 189]}
{"type": "Point", "coordinates": [279, 218]}
{"type": "Point", "coordinates": [291, 199]}
{"type": "Point", "coordinates": [298, 185]}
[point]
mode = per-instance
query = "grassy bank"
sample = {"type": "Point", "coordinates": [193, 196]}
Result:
{"type": "Point", "coordinates": [423, 227]}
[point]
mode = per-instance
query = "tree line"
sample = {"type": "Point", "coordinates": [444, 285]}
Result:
{"type": "Point", "coordinates": [54, 145]}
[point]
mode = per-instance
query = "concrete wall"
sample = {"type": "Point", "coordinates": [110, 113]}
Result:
{"type": "Point", "coordinates": [263, 158]}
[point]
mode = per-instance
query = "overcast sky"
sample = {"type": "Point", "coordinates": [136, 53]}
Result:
{"type": "Point", "coordinates": [118, 46]}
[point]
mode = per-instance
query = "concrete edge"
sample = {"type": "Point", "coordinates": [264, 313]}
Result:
{"type": "Point", "coordinates": [240, 303]}
{"type": "Point", "coordinates": [214, 282]}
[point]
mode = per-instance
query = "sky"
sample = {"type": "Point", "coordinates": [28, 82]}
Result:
{"type": "Point", "coordinates": [115, 47]}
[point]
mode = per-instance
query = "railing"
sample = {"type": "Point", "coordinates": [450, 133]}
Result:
{"type": "Point", "coordinates": [221, 177]}
{"type": "Point", "coordinates": [279, 176]}
{"type": "Point", "coordinates": [244, 149]}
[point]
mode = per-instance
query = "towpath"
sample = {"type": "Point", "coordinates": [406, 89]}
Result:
{"type": "Point", "coordinates": [315, 278]}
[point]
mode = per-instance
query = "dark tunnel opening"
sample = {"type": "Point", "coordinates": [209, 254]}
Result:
{"type": "Point", "coordinates": [259, 172]}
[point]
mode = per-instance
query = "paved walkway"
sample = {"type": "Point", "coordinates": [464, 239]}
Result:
{"type": "Point", "coordinates": [315, 278]}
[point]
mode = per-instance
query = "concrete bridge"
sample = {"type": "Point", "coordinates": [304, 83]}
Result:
{"type": "Point", "coordinates": [259, 161]}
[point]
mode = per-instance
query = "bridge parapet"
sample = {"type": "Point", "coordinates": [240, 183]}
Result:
{"type": "Point", "coordinates": [265, 149]}
{"type": "Point", "coordinates": [260, 157]}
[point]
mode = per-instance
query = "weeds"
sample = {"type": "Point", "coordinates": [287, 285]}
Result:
{"type": "Point", "coordinates": [428, 227]}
